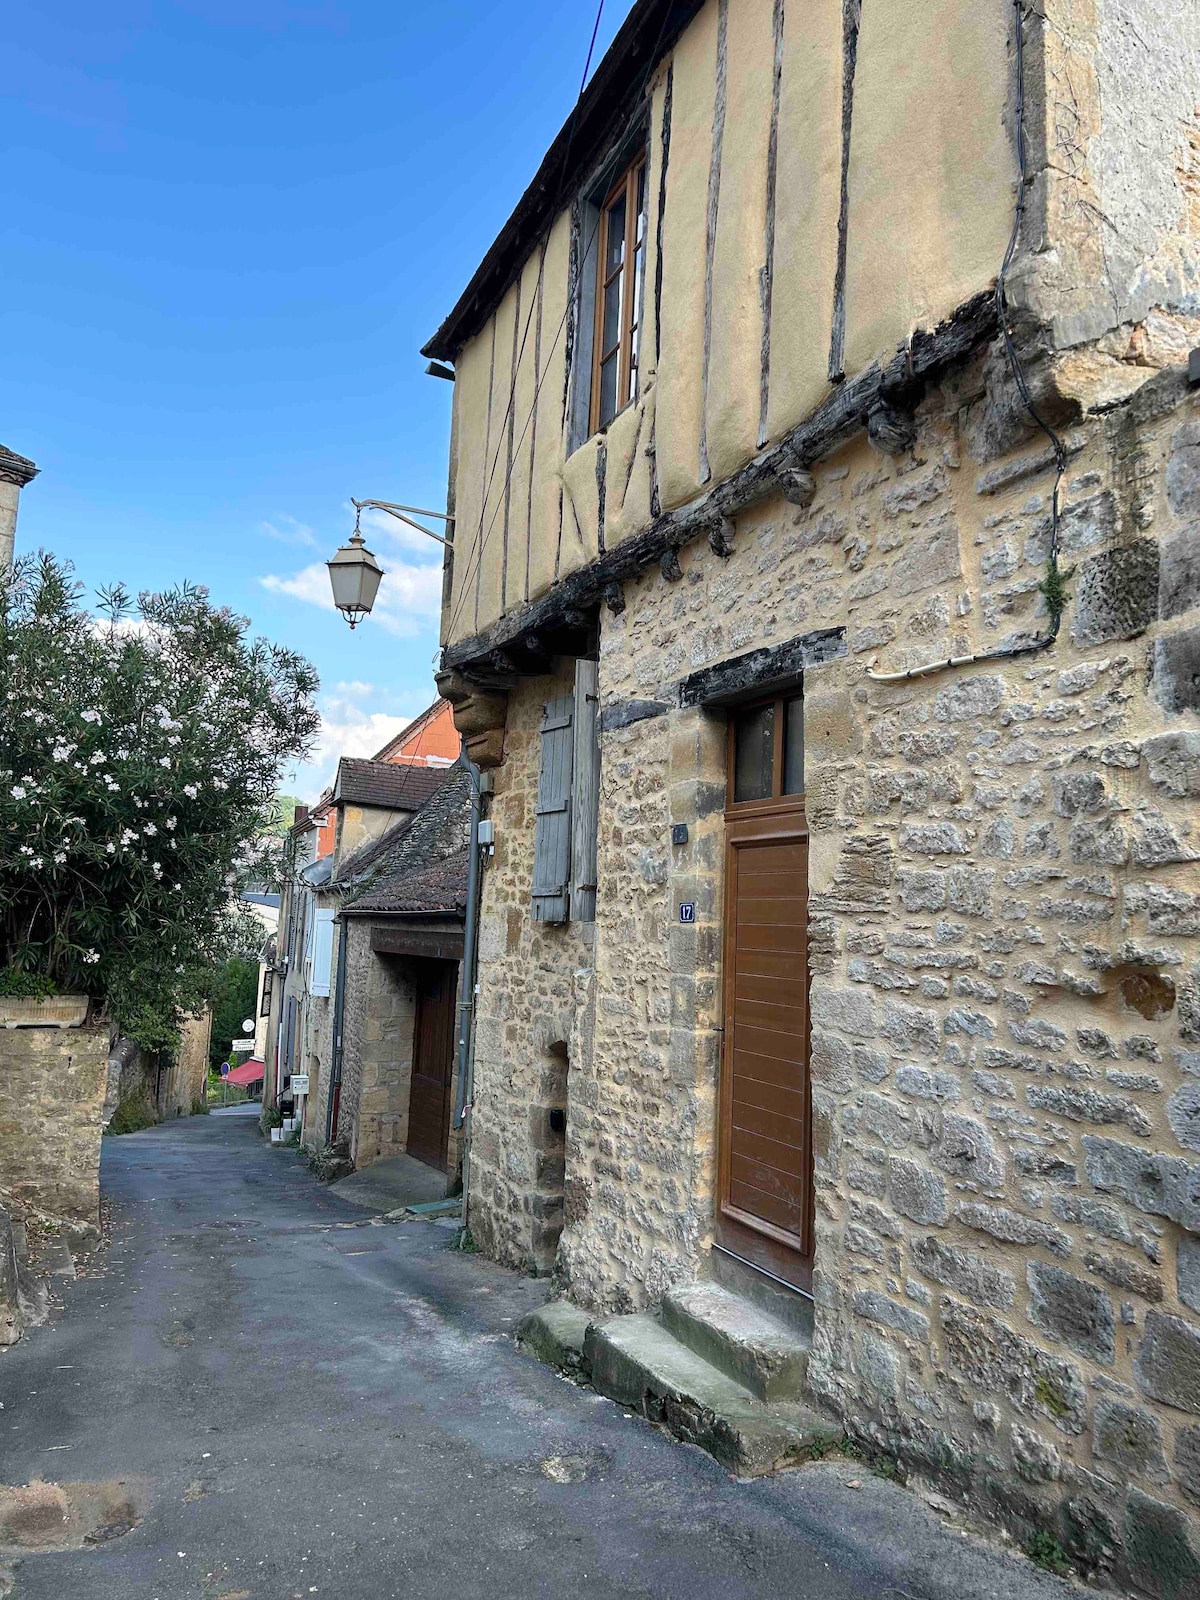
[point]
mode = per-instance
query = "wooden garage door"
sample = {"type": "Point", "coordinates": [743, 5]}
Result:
{"type": "Point", "coordinates": [764, 1211]}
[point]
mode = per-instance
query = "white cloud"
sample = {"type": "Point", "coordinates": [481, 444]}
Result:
{"type": "Point", "coordinates": [287, 530]}
{"type": "Point", "coordinates": [352, 726]}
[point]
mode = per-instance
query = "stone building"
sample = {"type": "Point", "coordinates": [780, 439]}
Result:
{"type": "Point", "coordinates": [367, 799]}
{"type": "Point", "coordinates": [392, 1026]}
{"type": "Point", "coordinates": [824, 607]}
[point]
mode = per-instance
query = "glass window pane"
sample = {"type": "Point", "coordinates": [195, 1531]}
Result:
{"type": "Point", "coordinates": [615, 237]}
{"type": "Point", "coordinates": [641, 205]}
{"type": "Point", "coordinates": [610, 332]}
{"type": "Point", "coordinates": [793, 746]}
{"type": "Point", "coordinates": [608, 389]}
{"type": "Point", "coordinates": [754, 754]}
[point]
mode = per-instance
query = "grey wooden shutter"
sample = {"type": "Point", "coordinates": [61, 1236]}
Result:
{"type": "Point", "coordinates": [585, 809]}
{"type": "Point", "coordinates": [552, 836]}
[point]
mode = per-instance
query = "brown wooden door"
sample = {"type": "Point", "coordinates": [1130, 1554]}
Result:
{"type": "Point", "coordinates": [433, 1061]}
{"type": "Point", "coordinates": [765, 1195]}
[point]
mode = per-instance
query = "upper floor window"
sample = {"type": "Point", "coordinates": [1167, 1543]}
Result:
{"type": "Point", "coordinates": [620, 264]}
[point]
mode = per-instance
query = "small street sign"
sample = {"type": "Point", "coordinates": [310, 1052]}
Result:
{"type": "Point", "coordinates": [224, 1068]}
{"type": "Point", "coordinates": [687, 911]}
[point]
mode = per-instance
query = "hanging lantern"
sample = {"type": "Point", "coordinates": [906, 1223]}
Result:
{"type": "Point", "coordinates": [354, 575]}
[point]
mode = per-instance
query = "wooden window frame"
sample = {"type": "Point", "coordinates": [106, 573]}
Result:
{"type": "Point", "coordinates": [777, 800]}
{"type": "Point", "coordinates": [633, 267]}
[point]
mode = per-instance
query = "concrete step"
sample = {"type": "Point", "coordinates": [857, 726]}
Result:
{"type": "Point", "coordinates": [738, 1339]}
{"type": "Point", "coordinates": [777, 1299]}
{"type": "Point", "coordinates": [636, 1361]}
{"type": "Point", "coordinates": [555, 1334]}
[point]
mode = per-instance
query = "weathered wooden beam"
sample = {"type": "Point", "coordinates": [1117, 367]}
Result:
{"type": "Point", "coordinates": [843, 414]}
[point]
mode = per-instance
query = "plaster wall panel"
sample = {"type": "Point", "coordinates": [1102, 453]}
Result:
{"type": "Point", "coordinates": [582, 476]}
{"type": "Point", "coordinates": [680, 371]}
{"type": "Point", "coordinates": [490, 574]}
{"type": "Point", "coordinates": [627, 496]}
{"type": "Point", "coordinates": [931, 167]}
{"type": "Point", "coordinates": [735, 333]}
{"type": "Point", "coordinates": [807, 197]}
{"type": "Point", "coordinates": [516, 585]}
{"type": "Point", "coordinates": [549, 442]}
{"type": "Point", "coordinates": [472, 387]}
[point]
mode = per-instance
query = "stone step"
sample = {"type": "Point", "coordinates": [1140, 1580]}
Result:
{"type": "Point", "coordinates": [637, 1362]}
{"type": "Point", "coordinates": [738, 1339]}
{"type": "Point", "coordinates": [555, 1334]}
{"type": "Point", "coordinates": [769, 1294]}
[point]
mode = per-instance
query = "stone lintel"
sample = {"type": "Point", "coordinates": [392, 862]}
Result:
{"type": "Point", "coordinates": [760, 671]}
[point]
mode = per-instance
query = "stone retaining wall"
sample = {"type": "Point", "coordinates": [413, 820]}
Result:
{"type": "Point", "coordinates": [52, 1087]}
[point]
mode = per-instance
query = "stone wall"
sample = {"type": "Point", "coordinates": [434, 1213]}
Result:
{"type": "Point", "coordinates": [52, 1086]}
{"type": "Point", "coordinates": [377, 1054]}
{"type": "Point", "coordinates": [1005, 956]}
{"type": "Point", "coordinates": [535, 993]}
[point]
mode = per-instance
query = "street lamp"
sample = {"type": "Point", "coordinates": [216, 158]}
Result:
{"type": "Point", "coordinates": [354, 572]}
{"type": "Point", "coordinates": [354, 575]}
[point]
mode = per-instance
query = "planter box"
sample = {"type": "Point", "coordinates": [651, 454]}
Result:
{"type": "Point", "coordinates": [55, 1011]}
{"type": "Point", "coordinates": [276, 1135]}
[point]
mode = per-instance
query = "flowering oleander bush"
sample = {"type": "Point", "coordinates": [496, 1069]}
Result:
{"type": "Point", "coordinates": [141, 750]}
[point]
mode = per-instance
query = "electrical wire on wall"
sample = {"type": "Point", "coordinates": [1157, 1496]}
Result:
{"type": "Point", "coordinates": [1053, 586]}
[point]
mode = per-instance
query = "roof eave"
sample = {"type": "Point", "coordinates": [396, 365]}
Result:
{"type": "Point", "coordinates": [645, 36]}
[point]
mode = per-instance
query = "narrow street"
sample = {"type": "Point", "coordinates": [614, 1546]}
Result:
{"type": "Point", "coordinates": [313, 1407]}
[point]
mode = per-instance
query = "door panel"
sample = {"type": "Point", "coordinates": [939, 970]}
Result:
{"type": "Point", "coordinates": [765, 1205]}
{"type": "Point", "coordinates": [433, 1061]}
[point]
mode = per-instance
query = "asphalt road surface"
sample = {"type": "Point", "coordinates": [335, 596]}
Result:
{"type": "Point", "coordinates": [312, 1408]}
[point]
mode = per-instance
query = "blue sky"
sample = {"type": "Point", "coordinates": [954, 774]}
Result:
{"type": "Point", "coordinates": [228, 227]}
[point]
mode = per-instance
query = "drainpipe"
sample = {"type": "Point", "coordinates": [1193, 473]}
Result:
{"type": "Point", "coordinates": [466, 1003]}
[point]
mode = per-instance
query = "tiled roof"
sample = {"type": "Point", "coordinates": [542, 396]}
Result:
{"type": "Point", "coordinates": [442, 886]}
{"type": "Point", "coordinates": [386, 785]}
{"type": "Point", "coordinates": [419, 865]}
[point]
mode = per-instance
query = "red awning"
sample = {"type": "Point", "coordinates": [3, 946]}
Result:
{"type": "Point", "coordinates": [249, 1072]}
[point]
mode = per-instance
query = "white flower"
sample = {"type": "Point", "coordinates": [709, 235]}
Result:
{"type": "Point", "coordinates": [98, 758]}
{"type": "Point", "coordinates": [90, 716]}
{"type": "Point", "coordinates": [36, 861]}
{"type": "Point", "coordinates": [127, 835]}
{"type": "Point", "coordinates": [110, 848]}
{"type": "Point", "coordinates": [149, 830]}
{"type": "Point", "coordinates": [190, 790]}
{"type": "Point", "coordinates": [91, 957]}
{"type": "Point", "coordinates": [19, 791]}
{"type": "Point", "coordinates": [59, 857]}
{"type": "Point", "coordinates": [122, 754]}
{"type": "Point", "coordinates": [164, 761]}
{"type": "Point", "coordinates": [25, 850]}
{"type": "Point", "coordinates": [170, 824]}
{"type": "Point", "coordinates": [179, 969]}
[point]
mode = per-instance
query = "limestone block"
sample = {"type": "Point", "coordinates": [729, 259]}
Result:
{"type": "Point", "coordinates": [1130, 1437]}
{"type": "Point", "coordinates": [1067, 1308]}
{"type": "Point", "coordinates": [1168, 1361]}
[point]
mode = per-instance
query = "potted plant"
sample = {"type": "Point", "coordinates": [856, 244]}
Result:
{"type": "Point", "coordinates": [28, 1000]}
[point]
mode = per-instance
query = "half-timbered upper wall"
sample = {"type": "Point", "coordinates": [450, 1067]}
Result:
{"type": "Point", "coordinates": [818, 187]}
